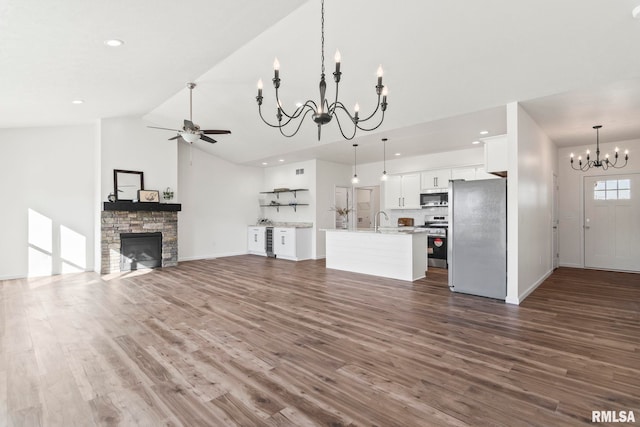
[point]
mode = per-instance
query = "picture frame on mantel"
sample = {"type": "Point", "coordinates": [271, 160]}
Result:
{"type": "Point", "coordinates": [148, 196]}
{"type": "Point", "coordinates": [126, 184]}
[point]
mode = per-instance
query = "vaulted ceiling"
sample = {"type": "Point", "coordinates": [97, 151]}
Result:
{"type": "Point", "coordinates": [450, 68]}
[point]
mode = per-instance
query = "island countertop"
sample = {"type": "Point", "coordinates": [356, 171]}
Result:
{"type": "Point", "coordinates": [381, 230]}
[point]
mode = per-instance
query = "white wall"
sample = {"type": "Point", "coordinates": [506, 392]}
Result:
{"type": "Point", "coordinates": [536, 158]}
{"type": "Point", "coordinates": [127, 143]}
{"type": "Point", "coordinates": [219, 200]}
{"type": "Point", "coordinates": [571, 195]}
{"type": "Point", "coordinates": [47, 214]}
{"type": "Point", "coordinates": [328, 176]}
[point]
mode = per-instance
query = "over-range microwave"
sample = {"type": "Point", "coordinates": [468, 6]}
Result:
{"type": "Point", "coordinates": [434, 199]}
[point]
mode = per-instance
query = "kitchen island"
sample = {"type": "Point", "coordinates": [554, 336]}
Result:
{"type": "Point", "coordinates": [394, 253]}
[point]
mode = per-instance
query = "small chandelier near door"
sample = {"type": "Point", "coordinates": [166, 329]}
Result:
{"type": "Point", "coordinates": [355, 179]}
{"type": "Point", "coordinates": [323, 112]}
{"type": "Point", "coordinates": [597, 163]}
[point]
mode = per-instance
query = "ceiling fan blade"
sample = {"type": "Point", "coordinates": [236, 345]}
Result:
{"type": "Point", "coordinates": [175, 137]}
{"type": "Point", "coordinates": [206, 138]}
{"type": "Point", "coordinates": [156, 127]}
{"type": "Point", "coordinates": [216, 132]}
{"type": "Point", "coordinates": [188, 124]}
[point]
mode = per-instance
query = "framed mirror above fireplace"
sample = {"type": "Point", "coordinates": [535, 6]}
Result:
{"type": "Point", "coordinates": [127, 183]}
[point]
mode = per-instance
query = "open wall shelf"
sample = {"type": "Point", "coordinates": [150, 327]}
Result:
{"type": "Point", "coordinates": [277, 192]}
{"type": "Point", "coordinates": [294, 206]}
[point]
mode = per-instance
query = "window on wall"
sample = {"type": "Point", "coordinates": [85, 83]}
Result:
{"type": "Point", "coordinates": [612, 189]}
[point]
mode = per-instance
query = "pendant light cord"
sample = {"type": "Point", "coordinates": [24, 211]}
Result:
{"type": "Point", "coordinates": [355, 160]}
{"type": "Point", "coordinates": [384, 155]}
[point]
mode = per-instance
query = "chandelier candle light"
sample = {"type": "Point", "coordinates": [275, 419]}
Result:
{"type": "Point", "coordinates": [323, 112]}
{"type": "Point", "coordinates": [597, 163]}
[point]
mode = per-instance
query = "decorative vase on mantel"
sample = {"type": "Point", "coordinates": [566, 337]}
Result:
{"type": "Point", "coordinates": [345, 222]}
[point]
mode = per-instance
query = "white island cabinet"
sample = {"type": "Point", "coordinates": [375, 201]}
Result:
{"type": "Point", "coordinates": [393, 254]}
{"type": "Point", "coordinates": [292, 243]}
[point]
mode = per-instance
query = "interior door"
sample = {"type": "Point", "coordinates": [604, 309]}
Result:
{"type": "Point", "coordinates": [612, 222]}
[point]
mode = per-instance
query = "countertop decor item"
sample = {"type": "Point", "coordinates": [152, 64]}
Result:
{"type": "Point", "coordinates": [344, 213]}
{"type": "Point", "coordinates": [323, 112]}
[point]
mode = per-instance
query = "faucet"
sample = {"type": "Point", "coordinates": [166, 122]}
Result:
{"type": "Point", "coordinates": [376, 217]}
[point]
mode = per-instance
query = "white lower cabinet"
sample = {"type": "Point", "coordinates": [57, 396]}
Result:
{"type": "Point", "coordinates": [292, 243]}
{"type": "Point", "coordinates": [256, 241]}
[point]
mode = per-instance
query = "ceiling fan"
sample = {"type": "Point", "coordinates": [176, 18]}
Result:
{"type": "Point", "coordinates": [191, 132]}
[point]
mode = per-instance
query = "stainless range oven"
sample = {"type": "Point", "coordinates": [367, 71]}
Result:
{"type": "Point", "coordinates": [437, 228]}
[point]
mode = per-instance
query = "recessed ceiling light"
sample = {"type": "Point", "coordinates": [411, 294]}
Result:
{"type": "Point", "coordinates": [397, 154]}
{"type": "Point", "coordinates": [484, 132]}
{"type": "Point", "coordinates": [475, 142]}
{"type": "Point", "coordinates": [281, 160]}
{"type": "Point", "coordinates": [113, 42]}
{"type": "Point", "coordinates": [264, 163]}
{"type": "Point", "coordinates": [636, 12]}
{"type": "Point", "coordinates": [77, 101]}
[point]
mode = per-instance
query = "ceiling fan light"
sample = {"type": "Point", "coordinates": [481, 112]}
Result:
{"type": "Point", "coordinates": [190, 137]}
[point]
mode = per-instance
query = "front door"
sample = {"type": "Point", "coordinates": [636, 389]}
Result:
{"type": "Point", "coordinates": [612, 222]}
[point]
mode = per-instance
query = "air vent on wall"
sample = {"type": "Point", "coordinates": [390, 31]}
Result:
{"type": "Point", "coordinates": [299, 171]}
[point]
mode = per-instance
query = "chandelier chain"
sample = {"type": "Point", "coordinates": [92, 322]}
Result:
{"type": "Point", "coordinates": [322, 35]}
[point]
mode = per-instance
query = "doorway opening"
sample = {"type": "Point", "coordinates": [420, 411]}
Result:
{"type": "Point", "coordinates": [367, 203]}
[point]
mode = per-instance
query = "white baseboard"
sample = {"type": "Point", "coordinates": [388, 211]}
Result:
{"type": "Point", "coordinates": [514, 301]}
{"type": "Point", "coordinates": [534, 286]}
{"type": "Point", "coordinates": [570, 265]}
{"type": "Point", "coordinates": [12, 277]}
{"type": "Point", "coordinates": [212, 256]}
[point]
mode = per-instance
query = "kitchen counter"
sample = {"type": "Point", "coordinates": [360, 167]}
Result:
{"type": "Point", "coordinates": [381, 230]}
{"type": "Point", "coordinates": [397, 253]}
{"type": "Point", "coordinates": [285, 225]}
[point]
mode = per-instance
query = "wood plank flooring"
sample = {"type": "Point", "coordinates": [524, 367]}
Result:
{"type": "Point", "coordinates": [253, 341]}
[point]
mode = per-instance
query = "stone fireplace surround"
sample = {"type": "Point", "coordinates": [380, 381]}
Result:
{"type": "Point", "coordinates": [128, 217]}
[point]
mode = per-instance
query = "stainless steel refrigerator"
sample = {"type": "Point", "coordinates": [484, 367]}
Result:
{"type": "Point", "coordinates": [478, 237]}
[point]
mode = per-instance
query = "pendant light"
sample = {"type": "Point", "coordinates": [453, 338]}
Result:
{"type": "Point", "coordinates": [355, 179]}
{"type": "Point", "coordinates": [384, 176]}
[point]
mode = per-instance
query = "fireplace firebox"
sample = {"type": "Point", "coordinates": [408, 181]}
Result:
{"type": "Point", "coordinates": [140, 251]}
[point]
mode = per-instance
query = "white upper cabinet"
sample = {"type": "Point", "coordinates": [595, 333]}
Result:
{"type": "Point", "coordinates": [468, 174]}
{"type": "Point", "coordinates": [402, 191]}
{"type": "Point", "coordinates": [435, 180]}
{"type": "Point", "coordinates": [471, 173]}
{"type": "Point", "coordinates": [496, 157]}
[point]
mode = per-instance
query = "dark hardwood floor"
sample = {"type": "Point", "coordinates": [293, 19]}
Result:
{"type": "Point", "coordinates": [252, 341]}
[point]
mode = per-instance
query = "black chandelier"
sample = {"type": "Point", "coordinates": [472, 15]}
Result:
{"type": "Point", "coordinates": [597, 163]}
{"type": "Point", "coordinates": [323, 112]}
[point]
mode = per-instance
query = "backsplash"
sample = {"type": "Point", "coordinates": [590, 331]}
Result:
{"type": "Point", "coordinates": [418, 215]}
